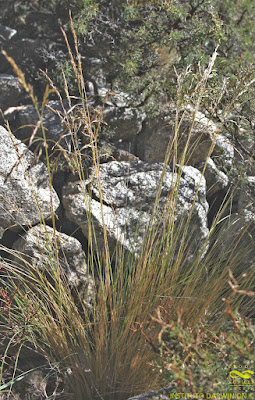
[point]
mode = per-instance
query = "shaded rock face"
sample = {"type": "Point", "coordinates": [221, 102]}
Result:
{"type": "Point", "coordinates": [6, 33]}
{"type": "Point", "coordinates": [156, 135]}
{"type": "Point", "coordinates": [26, 119]}
{"type": "Point", "coordinates": [246, 203]}
{"type": "Point", "coordinates": [124, 124]}
{"type": "Point", "coordinates": [24, 186]}
{"type": "Point", "coordinates": [38, 245]}
{"type": "Point", "coordinates": [223, 153]}
{"type": "Point", "coordinates": [216, 180]}
{"type": "Point", "coordinates": [129, 191]}
{"type": "Point", "coordinates": [11, 92]}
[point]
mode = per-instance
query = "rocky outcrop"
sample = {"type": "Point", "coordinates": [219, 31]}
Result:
{"type": "Point", "coordinates": [129, 190]}
{"type": "Point", "coordinates": [25, 192]}
{"type": "Point", "coordinates": [44, 248]}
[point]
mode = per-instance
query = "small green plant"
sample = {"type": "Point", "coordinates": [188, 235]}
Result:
{"type": "Point", "coordinates": [196, 359]}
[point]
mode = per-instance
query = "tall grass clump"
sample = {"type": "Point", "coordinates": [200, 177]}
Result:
{"type": "Point", "coordinates": [103, 348]}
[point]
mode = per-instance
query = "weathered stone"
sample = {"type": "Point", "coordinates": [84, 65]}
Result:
{"type": "Point", "coordinates": [129, 191]}
{"type": "Point", "coordinates": [25, 192]}
{"type": "Point", "coordinates": [94, 75]}
{"type": "Point", "coordinates": [157, 134]}
{"type": "Point", "coordinates": [110, 152]}
{"type": "Point", "coordinates": [123, 124]}
{"type": "Point", "coordinates": [236, 238]}
{"type": "Point", "coordinates": [6, 33]}
{"type": "Point", "coordinates": [114, 98]}
{"type": "Point", "coordinates": [223, 152]}
{"type": "Point", "coordinates": [43, 248]}
{"type": "Point", "coordinates": [11, 93]}
{"type": "Point", "coordinates": [216, 180]}
{"type": "Point", "coordinates": [246, 201]}
{"type": "Point", "coordinates": [26, 118]}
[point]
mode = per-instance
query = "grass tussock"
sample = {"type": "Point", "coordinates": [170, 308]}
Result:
{"type": "Point", "coordinates": [105, 350]}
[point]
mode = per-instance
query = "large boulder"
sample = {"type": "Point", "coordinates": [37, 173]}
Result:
{"type": "Point", "coordinates": [42, 247]}
{"type": "Point", "coordinates": [25, 193]}
{"type": "Point", "coordinates": [129, 191]}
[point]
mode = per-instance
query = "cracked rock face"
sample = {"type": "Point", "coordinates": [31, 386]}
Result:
{"type": "Point", "coordinates": [25, 192]}
{"type": "Point", "coordinates": [129, 190]}
{"type": "Point", "coordinates": [38, 245]}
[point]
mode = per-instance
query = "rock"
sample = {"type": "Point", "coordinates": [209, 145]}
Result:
{"type": "Point", "coordinates": [216, 180]}
{"type": "Point", "coordinates": [26, 119]}
{"type": "Point", "coordinates": [129, 191]}
{"type": "Point", "coordinates": [236, 238]}
{"type": "Point", "coordinates": [94, 75]}
{"type": "Point", "coordinates": [110, 152]}
{"type": "Point", "coordinates": [11, 93]}
{"type": "Point", "coordinates": [25, 193]}
{"type": "Point", "coordinates": [123, 123]}
{"type": "Point", "coordinates": [154, 139]}
{"type": "Point", "coordinates": [246, 194]}
{"type": "Point", "coordinates": [37, 376]}
{"type": "Point", "coordinates": [223, 153]}
{"type": "Point", "coordinates": [38, 245]}
{"type": "Point", "coordinates": [236, 230]}
{"type": "Point", "coordinates": [114, 98]}
{"type": "Point", "coordinates": [6, 33]}
{"type": "Point", "coordinates": [31, 55]}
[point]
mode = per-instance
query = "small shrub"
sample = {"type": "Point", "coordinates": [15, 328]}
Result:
{"type": "Point", "coordinates": [196, 359]}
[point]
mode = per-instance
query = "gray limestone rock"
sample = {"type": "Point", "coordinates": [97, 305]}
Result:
{"type": "Point", "coordinates": [216, 180]}
{"type": "Point", "coordinates": [42, 246]}
{"type": "Point", "coordinates": [25, 193]}
{"type": "Point", "coordinates": [6, 33]}
{"type": "Point", "coordinates": [129, 191]}
{"type": "Point", "coordinates": [223, 153]}
{"type": "Point", "coordinates": [246, 201]}
{"type": "Point", "coordinates": [11, 92]}
{"type": "Point", "coordinates": [123, 123]}
{"type": "Point", "coordinates": [26, 119]}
